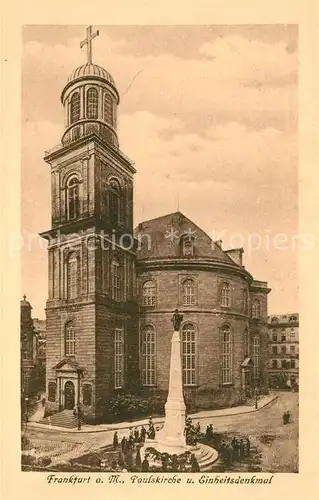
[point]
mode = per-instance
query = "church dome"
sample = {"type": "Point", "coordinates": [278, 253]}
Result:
{"type": "Point", "coordinates": [90, 69]}
{"type": "Point", "coordinates": [25, 303]}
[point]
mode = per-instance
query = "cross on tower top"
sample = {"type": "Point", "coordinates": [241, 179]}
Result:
{"type": "Point", "coordinates": [88, 42]}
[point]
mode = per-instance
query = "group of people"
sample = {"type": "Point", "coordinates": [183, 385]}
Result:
{"type": "Point", "coordinates": [286, 417]}
{"type": "Point", "coordinates": [234, 450]}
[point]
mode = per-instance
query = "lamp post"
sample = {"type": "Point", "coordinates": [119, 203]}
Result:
{"type": "Point", "coordinates": [256, 396]}
{"type": "Point", "coordinates": [26, 409]}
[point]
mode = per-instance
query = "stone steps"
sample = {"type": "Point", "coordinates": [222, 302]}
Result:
{"type": "Point", "coordinates": [64, 418]}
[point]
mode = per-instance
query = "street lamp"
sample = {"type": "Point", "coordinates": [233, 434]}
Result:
{"type": "Point", "coordinates": [256, 396]}
{"type": "Point", "coordinates": [26, 409]}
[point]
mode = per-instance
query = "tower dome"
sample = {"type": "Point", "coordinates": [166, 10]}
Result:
{"type": "Point", "coordinates": [90, 101]}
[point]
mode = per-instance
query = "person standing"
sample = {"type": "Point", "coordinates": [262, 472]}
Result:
{"type": "Point", "coordinates": [115, 441]}
{"type": "Point", "coordinates": [143, 434]}
{"type": "Point", "coordinates": [145, 465]}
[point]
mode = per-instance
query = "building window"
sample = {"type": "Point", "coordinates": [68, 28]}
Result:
{"type": "Point", "coordinates": [148, 355]}
{"type": "Point", "coordinates": [283, 337]}
{"type": "Point", "coordinates": [256, 309]}
{"type": "Point", "coordinates": [116, 281]}
{"type": "Point", "coordinates": [274, 363]}
{"type": "Point", "coordinates": [118, 358]}
{"type": "Point", "coordinates": [225, 298]}
{"type": "Point", "coordinates": [189, 354]}
{"type": "Point", "coordinates": [274, 337]}
{"type": "Point", "coordinates": [188, 292]}
{"type": "Point", "coordinates": [292, 335]}
{"type": "Point", "coordinates": [92, 104]}
{"type": "Point", "coordinates": [256, 357]}
{"type": "Point", "coordinates": [69, 339]}
{"type": "Point", "coordinates": [87, 394]}
{"type": "Point", "coordinates": [275, 349]}
{"type": "Point", "coordinates": [149, 293]}
{"type": "Point", "coordinates": [283, 349]}
{"type": "Point", "coordinates": [108, 109]}
{"type": "Point", "coordinates": [25, 355]}
{"type": "Point", "coordinates": [245, 301]}
{"type": "Point", "coordinates": [115, 202]}
{"type": "Point", "coordinates": [51, 391]}
{"type": "Point", "coordinates": [72, 276]}
{"type": "Point", "coordinates": [293, 364]}
{"type": "Point", "coordinates": [226, 355]}
{"type": "Point", "coordinates": [75, 108]}
{"type": "Point", "coordinates": [188, 247]}
{"type": "Point", "coordinates": [72, 198]}
{"type": "Point", "coordinates": [246, 342]}
{"type": "Point", "coordinates": [292, 349]}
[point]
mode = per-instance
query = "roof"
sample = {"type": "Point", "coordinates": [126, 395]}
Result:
{"type": "Point", "coordinates": [25, 303]}
{"type": "Point", "coordinates": [90, 69]}
{"type": "Point", "coordinates": [163, 235]}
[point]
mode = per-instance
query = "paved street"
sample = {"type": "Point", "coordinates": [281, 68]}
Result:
{"type": "Point", "coordinates": [278, 443]}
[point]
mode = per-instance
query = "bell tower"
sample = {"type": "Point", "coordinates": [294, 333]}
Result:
{"type": "Point", "coordinates": [92, 347]}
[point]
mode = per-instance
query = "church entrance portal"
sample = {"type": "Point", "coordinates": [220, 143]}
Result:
{"type": "Point", "coordinates": [69, 395]}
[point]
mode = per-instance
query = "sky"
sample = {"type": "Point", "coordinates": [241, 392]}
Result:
{"type": "Point", "coordinates": [208, 114]}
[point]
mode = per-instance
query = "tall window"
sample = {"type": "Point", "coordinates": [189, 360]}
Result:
{"type": "Point", "coordinates": [116, 281]}
{"type": "Point", "coordinates": [72, 198]}
{"type": "Point", "coordinates": [256, 308]}
{"type": "Point", "coordinates": [69, 339]}
{"type": "Point", "coordinates": [108, 109]}
{"type": "Point", "coordinates": [51, 391]}
{"type": "Point", "coordinates": [188, 246]}
{"type": "Point", "coordinates": [118, 358]}
{"type": "Point", "coordinates": [189, 292]}
{"type": "Point", "coordinates": [293, 364]}
{"type": "Point", "coordinates": [92, 104]}
{"type": "Point", "coordinates": [148, 355]}
{"type": "Point", "coordinates": [75, 108]}
{"type": "Point", "coordinates": [72, 276]}
{"type": "Point", "coordinates": [292, 335]}
{"type": "Point", "coordinates": [256, 357]}
{"type": "Point", "coordinates": [115, 202]}
{"type": "Point", "coordinates": [225, 297]}
{"type": "Point", "coordinates": [246, 341]}
{"type": "Point", "coordinates": [275, 349]}
{"type": "Point", "coordinates": [274, 363]}
{"type": "Point", "coordinates": [226, 355]}
{"type": "Point", "coordinates": [189, 354]}
{"type": "Point", "coordinates": [149, 293]}
{"type": "Point", "coordinates": [245, 302]}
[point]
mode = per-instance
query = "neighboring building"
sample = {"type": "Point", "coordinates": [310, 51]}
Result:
{"type": "Point", "coordinates": [283, 350]}
{"type": "Point", "coordinates": [111, 296]}
{"type": "Point", "coordinates": [28, 350]}
{"type": "Point", "coordinates": [40, 330]}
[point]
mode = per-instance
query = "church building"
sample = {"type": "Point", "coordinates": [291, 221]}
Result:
{"type": "Point", "coordinates": [113, 289]}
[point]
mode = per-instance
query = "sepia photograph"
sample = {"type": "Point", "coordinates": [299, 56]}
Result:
{"type": "Point", "coordinates": [159, 242]}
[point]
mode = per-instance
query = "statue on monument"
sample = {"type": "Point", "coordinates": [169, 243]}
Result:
{"type": "Point", "coordinates": [177, 320]}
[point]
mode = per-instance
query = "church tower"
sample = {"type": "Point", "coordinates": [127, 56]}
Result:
{"type": "Point", "coordinates": [92, 340]}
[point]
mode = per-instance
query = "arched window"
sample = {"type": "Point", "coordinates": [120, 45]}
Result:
{"type": "Point", "coordinates": [72, 276]}
{"type": "Point", "coordinates": [149, 293]}
{"type": "Point", "coordinates": [115, 202]}
{"type": "Point", "coordinates": [108, 109]}
{"type": "Point", "coordinates": [116, 281]}
{"type": "Point", "coordinates": [256, 308]}
{"type": "Point", "coordinates": [72, 198]}
{"type": "Point", "coordinates": [188, 246]}
{"type": "Point", "coordinates": [118, 358]}
{"type": "Point", "coordinates": [225, 295]}
{"type": "Point", "coordinates": [246, 342]}
{"type": "Point", "coordinates": [189, 354]}
{"type": "Point", "coordinates": [256, 357]}
{"type": "Point", "coordinates": [188, 292]}
{"type": "Point", "coordinates": [226, 355]}
{"type": "Point", "coordinates": [75, 108]}
{"type": "Point", "coordinates": [92, 104]}
{"type": "Point", "coordinates": [69, 339]}
{"type": "Point", "coordinates": [245, 302]}
{"type": "Point", "coordinates": [148, 355]}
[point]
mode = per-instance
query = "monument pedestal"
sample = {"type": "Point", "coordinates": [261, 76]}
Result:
{"type": "Point", "coordinates": [171, 438]}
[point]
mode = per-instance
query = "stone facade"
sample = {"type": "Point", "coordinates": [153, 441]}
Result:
{"type": "Point", "coordinates": [96, 311]}
{"type": "Point", "coordinates": [283, 332]}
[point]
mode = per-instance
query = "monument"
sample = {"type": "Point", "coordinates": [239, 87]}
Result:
{"type": "Point", "coordinates": [171, 438]}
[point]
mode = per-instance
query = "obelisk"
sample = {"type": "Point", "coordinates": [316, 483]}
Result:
{"type": "Point", "coordinates": [171, 438]}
